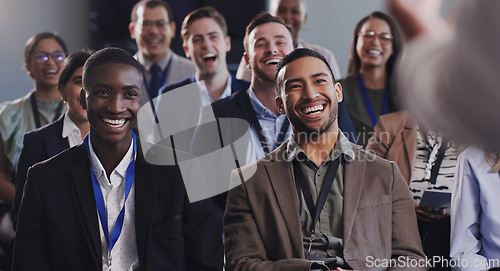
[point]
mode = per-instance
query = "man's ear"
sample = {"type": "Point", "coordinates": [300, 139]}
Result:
{"type": "Point", "coordinates": [279, 105]}
{"type": "Point", "coordinates": [186, 51]}
{"type": "Point", "coordinates": [247, 61]}
{"type": "Point", "coordinates": [83, 99]}
{"type": "Point", "coordinates": [131, 30]}
{"type": "Point", "coordinates": [227, 40]}
{"type": "Point", "coordinates": [338, 92]}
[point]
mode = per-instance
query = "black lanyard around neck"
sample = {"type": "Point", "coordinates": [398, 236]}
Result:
{"type": "Point", "coordinates": [36, 113]}
{"type": "Point", "coordinates": [260, 133]}
{"type": "Point", "coordinates": [315, 210]}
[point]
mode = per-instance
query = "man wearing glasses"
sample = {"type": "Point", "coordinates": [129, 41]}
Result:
{"type": "Point", "coordinates": [152, 27]}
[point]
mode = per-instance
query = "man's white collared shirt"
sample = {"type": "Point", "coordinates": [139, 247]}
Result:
{"type": "Point", "coordinates": [124, 253]}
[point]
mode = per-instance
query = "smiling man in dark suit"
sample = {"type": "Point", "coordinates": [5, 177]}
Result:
{"type": "Point", "coordinates": [99, 205]}
{"type": "Point", "coordinates": [318, 202]}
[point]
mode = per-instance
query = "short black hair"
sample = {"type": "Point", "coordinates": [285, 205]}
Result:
{"type": "Point", "coordinates": [109, 55]}
{"type": "Point", "coordinates": [71, 63]}
{"type": "Point", "coordinates": [294, 55]}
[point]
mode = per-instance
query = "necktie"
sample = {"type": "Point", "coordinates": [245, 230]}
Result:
{"type": "Point", "coordinates": [154, 84]}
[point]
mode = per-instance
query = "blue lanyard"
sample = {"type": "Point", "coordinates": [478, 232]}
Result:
{"type": "Point", "coordinates": [163, 75]}
{"type": "Point", "coordinates": [99, 199]}
{"type": "Point", "coordinates": [368, 104]}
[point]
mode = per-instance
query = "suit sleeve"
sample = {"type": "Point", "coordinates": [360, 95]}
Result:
{"type": "Point", "coordinates": [405, 237]}
{"type": "Point", "coordinates": [244, 247]}
{"type": "Point", "coordinates": [26, 159]}
{"type": "Point", "coordinates": [202, 236]}
{"type": "Point", "coordinates": [31, 244]}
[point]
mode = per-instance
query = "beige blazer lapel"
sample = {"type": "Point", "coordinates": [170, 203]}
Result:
{"type": "Point", "coordinates": [354, 172]}
{"type": "Point", "coordinates": [282, 182]}
{"type": "Point", "coordinates": [410, 143]}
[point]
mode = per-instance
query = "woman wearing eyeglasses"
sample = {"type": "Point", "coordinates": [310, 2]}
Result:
{"type": "Point", "coordinates": [367, 93]}
{"type": "Point", "coordinates": [66, 132]}
{"type": "Point", "coordinates": [43, 57]}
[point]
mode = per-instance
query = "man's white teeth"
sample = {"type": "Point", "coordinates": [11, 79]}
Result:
{"type": "Point", "coordinates": [272, 62]}
{"type": "Point", "coordinates": [374, 52]}
{"type": "Point", "coordinates": [115, 123]}
{"type": "Point", "coordinates": [209, 57]}
{"type": "Point", "coordinates": [154, 41]}
{"type": "Point", "coordinates": [313, 109]}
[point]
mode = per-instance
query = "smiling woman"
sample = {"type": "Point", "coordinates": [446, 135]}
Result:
{"type": "Point", "coordinates": [43, 57]}
{"type": "Point", "coordinates": [66, 132]}
{"type": "Point", "coordinates": [376, 43]}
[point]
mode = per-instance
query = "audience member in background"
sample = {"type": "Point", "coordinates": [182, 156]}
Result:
{"type": "Point", "coordinates": [425, 158]}
{"type": "Point", "coordinates": [375, 46]}
{"type": "Point", "coordinates": [51, 139]}
{"type": "Point", "coordinates": [475, 223]}
{"type": "Point", "coordinates": [267, 40]}
{"type": "Point", "coordinates": [318, 202]}
{"type": "Point", "coordinates": [43, 57]}
{"type": "Point", "coordinates": [294, 13]}
{"type": "Point", "coordinates": [99, 205]}
{"type": "Point", "coordinates": [152, 26]}
{"type": "Point", "coordinates": [206, 43]}
{"type": "Point", "coordinates": [449, 73]}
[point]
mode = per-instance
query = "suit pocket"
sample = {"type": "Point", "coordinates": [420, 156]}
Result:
{"type": "Point", "coordinates": [374, 201]}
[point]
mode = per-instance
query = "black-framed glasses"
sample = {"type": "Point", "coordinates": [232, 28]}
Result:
{"type": "Point", "coordinates": [369, 35]}
{"type": "Point", "coordinates": [42, 57]}
{"type": "Point", "coordinates": [145, 24]}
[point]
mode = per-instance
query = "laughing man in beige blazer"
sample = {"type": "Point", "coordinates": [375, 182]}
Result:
{"type": "Point", "coordinates": [366, 219]}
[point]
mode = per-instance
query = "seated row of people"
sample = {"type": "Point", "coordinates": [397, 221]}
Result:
{"type": "Point", "coordinates": [303, 97]}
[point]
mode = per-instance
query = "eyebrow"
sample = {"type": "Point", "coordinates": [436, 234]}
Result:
{"type": "Point", "coordinates": [290, 81]}
{"type": "Point", "coordinates": [127, 87]}
{"type": "Point", "coordinates": [319, 74]}
{"type": "Point", "coordinates": [274, 37]}
{"type": "Point", "coordinates": [293, 80]}
{"type": "Point", "coordinates": [279, 37]}
{"type": "Point", "coordinates": [45, 52]}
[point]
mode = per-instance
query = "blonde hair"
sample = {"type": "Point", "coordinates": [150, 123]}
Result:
{"type": "Point", "coordinates": [494, 159]}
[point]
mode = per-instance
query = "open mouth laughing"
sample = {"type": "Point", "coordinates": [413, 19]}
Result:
{"type": "Point", "coordinates": [115, 123]}
{"type": "Point", "coordinates": [312, 111]}
{"type": "Point", "coordinates": [272, 61]}
{"type": "Point", "coordinates": [209, 57]}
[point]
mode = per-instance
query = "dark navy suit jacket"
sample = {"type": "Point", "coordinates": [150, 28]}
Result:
{"type": "Point", "coordinates": [236, 84]}
{"type": "Point", "coordinates": [38, 145]}
{"type": "Point", "coordinates": [58, 225]}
